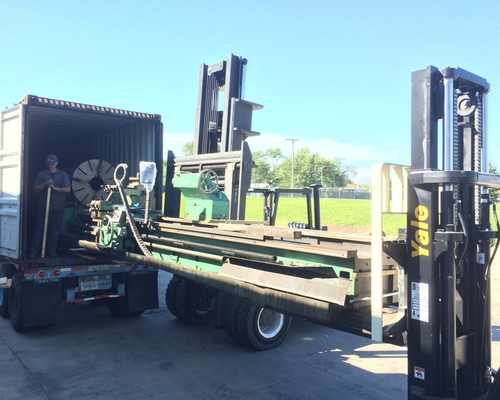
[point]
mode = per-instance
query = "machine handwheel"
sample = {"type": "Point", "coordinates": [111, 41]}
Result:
{"type": "Point", "coordinates": [106, 231]}
{"type": "Point", "coordinates": [208, 181]}
{"type": "Point", "coordinates": [262, 328]}
{"type": "Point", "coordinates": [7, 270]}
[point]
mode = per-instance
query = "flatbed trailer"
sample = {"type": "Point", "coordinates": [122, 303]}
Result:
{"type": "Point", "coordinates": [225, 266]}
{"type": "Point", "coordinates": [321, 276]}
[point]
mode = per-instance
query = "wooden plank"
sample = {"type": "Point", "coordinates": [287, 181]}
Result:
{"type": "Point", "coordinates": [327, 235]}
{"type": "Point", "coordinates": [368, 274]}
{"type": "Point", "coordinates": [270, 231]}
{"type": "Point", "coordinates": [206, 231]}
{"type": "Point", "coordinates": [214, 234]}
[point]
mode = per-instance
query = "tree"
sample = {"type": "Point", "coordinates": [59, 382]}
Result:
{"type": "Point", "coordinates": [311, 168]}
{"type": "Point", "coordinates": [266, 165]}
{"type": "Point", "coordinates": [188, 148]}
{"type": "Point", "coordinates": [494, 193]}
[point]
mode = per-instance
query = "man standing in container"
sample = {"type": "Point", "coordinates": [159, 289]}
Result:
{"type": "Point", "coordinates": [59, 184]}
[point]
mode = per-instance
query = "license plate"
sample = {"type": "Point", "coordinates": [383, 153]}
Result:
{"type": "Point", "coordinates": [89, 285]}
{"type": "Point", "coordinates": [98, 267]}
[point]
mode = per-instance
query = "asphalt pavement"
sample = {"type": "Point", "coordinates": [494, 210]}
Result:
{"type": "Point", "coordinates": [91, 355]}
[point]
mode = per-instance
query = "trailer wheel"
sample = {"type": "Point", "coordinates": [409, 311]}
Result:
{"type": "Point", "coordinates": [7, 270]}
{"type": "Point", "coordinates": [119, 308]}
{"type": "Point", "coordinates": [230, 317]}
{"type": "Point", "coordinates": [204, 307]}
{"type": "Point", "coordinates": [171, 295]}
{"type": "Point", "coordinates": [16, 303]}
{"type": "Point", "coordinates": [190, 301]}
{"type": "Point", "coordinates": [262, 328]}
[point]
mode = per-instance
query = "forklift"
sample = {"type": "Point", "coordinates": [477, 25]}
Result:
{"type": "Point", "coordinates": [450, 243]}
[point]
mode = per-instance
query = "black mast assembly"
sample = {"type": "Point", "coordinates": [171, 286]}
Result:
{"type": "Point", "coordinates": [449, 237]}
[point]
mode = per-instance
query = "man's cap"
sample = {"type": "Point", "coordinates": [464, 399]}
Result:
{"type": "Point", "coordinates": [51, 160]}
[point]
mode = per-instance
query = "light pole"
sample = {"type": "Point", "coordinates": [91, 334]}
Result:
{"type": "Point", "coordinates": [293, 158]}
{"type": "Point", "coordinates": [320, 169]}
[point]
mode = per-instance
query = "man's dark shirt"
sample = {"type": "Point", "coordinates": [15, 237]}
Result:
{"type": "Point", "coordinates": [57, 200]}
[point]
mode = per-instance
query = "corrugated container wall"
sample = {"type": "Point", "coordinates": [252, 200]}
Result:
{"type": "Point", "coordinates": [129, 144]}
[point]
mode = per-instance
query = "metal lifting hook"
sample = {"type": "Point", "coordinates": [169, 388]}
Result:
{"type": "Point", "coordinates": [124, 176]}
{"type": "Point", "coordinates": [130, 218]}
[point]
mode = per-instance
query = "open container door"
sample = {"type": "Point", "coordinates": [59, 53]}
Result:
{"type": "Point", "coordinates": [11, 128]}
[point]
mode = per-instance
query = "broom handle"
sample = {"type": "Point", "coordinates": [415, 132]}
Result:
{"type": "Point", "coordinates": [47, 207]}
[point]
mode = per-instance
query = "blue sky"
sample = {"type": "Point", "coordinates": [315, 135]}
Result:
{"type": "Point", "coordinates": [335, 75]}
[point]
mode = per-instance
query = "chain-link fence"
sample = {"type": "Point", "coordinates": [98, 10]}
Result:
{"type": "Point", "coordinates": [335, 193]}
{"type": "Point", "coordinates": [324, 193]}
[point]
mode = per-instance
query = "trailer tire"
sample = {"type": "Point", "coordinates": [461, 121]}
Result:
{"type": "Point", "coordinates": [7, 270]}
{"type": "Point", "coordinates": [194, 302]}
{"type": "Point", "coordinates": [189, 301]}
{"type": "Point", "coordinates": [230, 317]}
{"type": "Point", "coordinates": [262, 328]}
{"type": "Point", "coordinates": [119, 308]}
{"type": "Point", "coordinates": [171, 295]}
{"type": "Point", "coordinates": [16, 303]}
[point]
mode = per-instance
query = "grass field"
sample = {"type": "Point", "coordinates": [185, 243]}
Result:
{"type": "Point", "coordinates": [344, 212]}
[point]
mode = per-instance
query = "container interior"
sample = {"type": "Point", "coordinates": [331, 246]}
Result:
{"type": "Point", "coordinates": [77, 134]}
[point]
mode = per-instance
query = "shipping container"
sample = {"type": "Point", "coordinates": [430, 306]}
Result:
{"type": "Point", "coordinates": [89, 141]}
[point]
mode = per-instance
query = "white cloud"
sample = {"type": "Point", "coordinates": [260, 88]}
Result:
{"type": "Point", "coordinates": [175, 142]}
{"type": "Point", "coordinates": [350, 152]}
{"type": "Point", "coordinates": [360, 156]}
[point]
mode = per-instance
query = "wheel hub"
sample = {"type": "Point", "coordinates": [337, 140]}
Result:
{"type": "Point", "coordinates": [270, 323]}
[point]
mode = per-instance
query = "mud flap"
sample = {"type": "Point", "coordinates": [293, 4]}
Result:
{"type": "Point", "coordinates": [42, 303]}
{"type": "Point", "coordinates": [143, 290]}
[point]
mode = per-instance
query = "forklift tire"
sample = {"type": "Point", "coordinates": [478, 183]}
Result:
{"type": "Point", "coordinates": [16, 303]}
{"type": "Point", "coordinates": [262, 328]}
{"type": "Point", "coordinates": [7, 270]}
{"type": "Point", "coordinates": [494, 392]}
